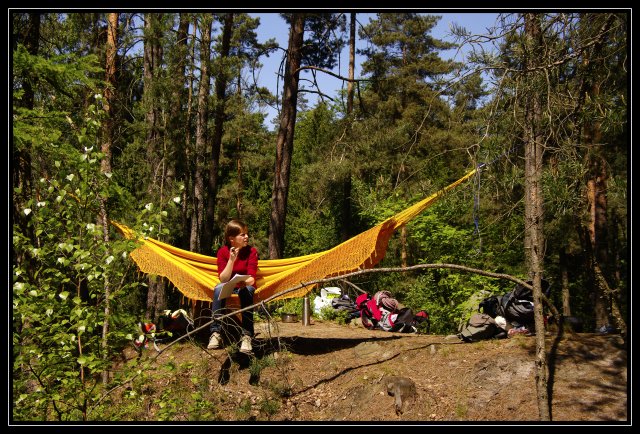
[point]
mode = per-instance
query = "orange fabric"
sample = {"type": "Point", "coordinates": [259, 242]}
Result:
{"type": "Point", "coordinates": [195, 275]}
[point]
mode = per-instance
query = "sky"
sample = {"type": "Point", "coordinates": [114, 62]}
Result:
{"type": "Point", "coordinates": [272, 26]}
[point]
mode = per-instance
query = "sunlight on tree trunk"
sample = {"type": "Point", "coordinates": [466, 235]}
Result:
{"type": "Point", "coordinates": [533, 202]}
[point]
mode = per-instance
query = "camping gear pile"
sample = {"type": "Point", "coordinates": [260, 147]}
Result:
{"type": "Point", "coordinates": [502, 316]}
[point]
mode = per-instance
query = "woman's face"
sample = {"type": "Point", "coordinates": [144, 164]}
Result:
{"type": "Point", "coordinates": [240, 240]}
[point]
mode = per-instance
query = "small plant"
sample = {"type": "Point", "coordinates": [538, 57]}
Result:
{"type": "Point", "coordinates": [330, 314]}
{"type": "Point", "coordinates": [243, 411]}
{"type": "Point", "coordinates": [461, 411]}
{"type": "Point", "coordinates": [257, 365]}
{"type": "Point", "coordinates": [269, 407]}
{"type": "Point", "coordinates": [293, 305]}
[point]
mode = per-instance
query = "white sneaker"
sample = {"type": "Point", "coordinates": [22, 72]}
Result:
{"type": "Point", "coordinates": [214, 341]}
{"type": "Point", "coordinates": [245, 345]}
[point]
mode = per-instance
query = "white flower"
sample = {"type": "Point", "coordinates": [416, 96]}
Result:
{"type": "Point", "coordinates": [70, 176]}
{"type": "Point", "coordinates": [108, 174]}
{"type": "Point", "coordinates": [61, 260]}
{"type": "Point", "coordinates": [109, 259]}
{"type": "Point", "coordinates": [49, 312]}
{"type": "Point", "coordinates": [27, 211]}
{"type": "Point", "coordinates": [148, 206]}
{"type": "Point", "coordinates": [33, 293]}
{"type": "Point", "coordinates": [91, 226]}
{"type": "Point", "coordinates": [89, 149]}
{"type": "Point", "coordinates": [176, 199]}
{"type": "Point", "coordinates": [41, 204]}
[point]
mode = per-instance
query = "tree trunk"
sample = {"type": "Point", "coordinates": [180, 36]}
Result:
{"type": "Point", "coordinates": [201, 134]}
{"type": "Point", "coordinates": [284, 144]}
{"type": "Point", "coordinates": [105, 164]}
{"type": "Point", "coordinates": [188, 201]}
{"type": "Point", "coordinates": [346, 182]}
{"type": "Point", "coordinates": [533, 204]}
{"type": "Point", "coordinates": [600, 303]}
{"type": "Point", "coordinates": [175, 133]}
{"type": "Point", "coordinates": [177, 129]}
{"type": "Point", "coordinates": [403, 246]}
{"type": "Point", "coordinates": [221, 79]}
{"type": "Point", "coordinates": [240, 187]}
{"type": "Point", "coordinates": [156, 297]}
{"type": "Point", "coordinates": [604, 304]}
{"type": "Point", "coordinates": [152, 61]}
{"type": "Point", "coordinates": [352, 62]}
{"type": "Point", "coordinates": [566, 296]}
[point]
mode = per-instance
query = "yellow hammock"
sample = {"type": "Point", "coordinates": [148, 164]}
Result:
{"type": "Point", "coordinates": [195, 275]}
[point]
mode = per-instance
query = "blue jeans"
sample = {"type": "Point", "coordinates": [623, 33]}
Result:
{"type": "Point", "coordinates": [246, 299]}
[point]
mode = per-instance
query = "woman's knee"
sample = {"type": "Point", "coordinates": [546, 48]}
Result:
{"type": "Point", "coordinates": [217, 290]}
{"type": "Point", "coordinates": [246, 295]}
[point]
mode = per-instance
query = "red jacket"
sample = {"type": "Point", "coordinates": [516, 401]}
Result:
{"type": "Point", "coordinates": [246, 262]}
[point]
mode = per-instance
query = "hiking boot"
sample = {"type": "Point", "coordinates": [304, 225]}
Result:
{"type": "Point", "coordinates": [245, 345]}
{"type": "Point", "coordinates": [215, 341]}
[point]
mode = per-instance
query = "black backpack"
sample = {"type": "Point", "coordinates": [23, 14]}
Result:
{"type": "Point", "coordinates": [517, 305]}
{"type": "Point", "coordinates": [491, 306]}
{"type": "Point", "coordinates": [407, 322]}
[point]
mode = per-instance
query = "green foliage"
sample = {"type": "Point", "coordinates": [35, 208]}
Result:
{"type": "Point", "coordinates": [319, 170]}
{"type": "Point", "coordinates": [61, 269]}
{"type": "Point", "coordinates": [58, 294]}
{"type": "Point", "coordinates": [330, 314]}
{"type": "Point", "coordinates": [289, 305]}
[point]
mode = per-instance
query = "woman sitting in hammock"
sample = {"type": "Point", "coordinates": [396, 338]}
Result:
{"type": "Point", "coordinates": [236, 256]}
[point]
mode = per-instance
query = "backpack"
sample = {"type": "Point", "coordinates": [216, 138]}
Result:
{"type": "Point", "coordinates": [517, 305]}
{"type": "Point", "coordinates": [403, 321]}
{"type": "Point", "coordinates": [408, 322]}
{"type": "Point", "coordinates": [344, 303]}
{"type": "Point", "coordinates": [422, 322]}
{"type": "Point", "coordinates": [491, 306]}
{"type": "Point", "coordinates": [380, 312]}
{"type": "Point", "coordinates": [369, 312]}
{"type": "Point", "coordinates": [480, 326]}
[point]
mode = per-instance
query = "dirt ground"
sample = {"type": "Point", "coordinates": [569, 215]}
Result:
{"type": "Point", "coordinates": [340, 374]}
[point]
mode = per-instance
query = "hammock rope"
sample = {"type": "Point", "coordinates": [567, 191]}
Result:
{"type": "Point", "coordinates": [195, 275]}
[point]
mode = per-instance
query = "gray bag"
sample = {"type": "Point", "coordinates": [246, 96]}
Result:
{"type": "Point", "coordinates": [480, 326]}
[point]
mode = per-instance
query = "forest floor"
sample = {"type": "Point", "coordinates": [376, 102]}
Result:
{"type": "Point", "coordinates": [326, 373]}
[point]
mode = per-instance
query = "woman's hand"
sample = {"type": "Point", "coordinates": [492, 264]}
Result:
{"type": "Point", "coordinates": [233, 253]}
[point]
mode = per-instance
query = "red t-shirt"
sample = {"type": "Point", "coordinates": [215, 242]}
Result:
{"type": "Point", "coordinates": [246, 262]}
